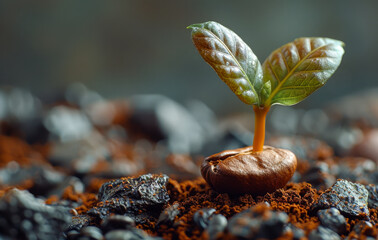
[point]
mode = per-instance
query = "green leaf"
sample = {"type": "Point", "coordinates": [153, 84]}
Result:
{"type": "Point", "coordinates": [266, 91]}
{"type": "Point", "coordinates": [297, 69]}
{"type": "Point", "coordinates": [231, 58]}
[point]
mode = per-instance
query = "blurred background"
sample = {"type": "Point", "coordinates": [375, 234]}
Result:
{"type": "Point", "coordinates": [62, 63]}
{"type": "Point", "coordinates": [122, 48]}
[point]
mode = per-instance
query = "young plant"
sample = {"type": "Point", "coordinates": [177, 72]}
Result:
{"type": "Point", "coordinates": [288, 75]}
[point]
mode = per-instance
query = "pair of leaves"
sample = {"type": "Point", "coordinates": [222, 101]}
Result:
{"type": "Point", "coordinates": [288, 75]}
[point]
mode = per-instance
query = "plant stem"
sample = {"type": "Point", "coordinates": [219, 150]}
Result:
{"type": "Point", "coordinates": [259, 138]}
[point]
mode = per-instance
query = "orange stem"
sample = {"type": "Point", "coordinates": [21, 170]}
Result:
{"type": "Point", "coordinates": [259, 138]}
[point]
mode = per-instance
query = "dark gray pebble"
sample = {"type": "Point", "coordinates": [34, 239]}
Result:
{"type": "Point", "coordinates": [168, 215]}
{"type": "Point", "coordinates": [373, 196]}
{"type": "Point", "coordinates": [140, 198]}
{"type": "Point", "coordinates": [332, 219]}
{"type": "Point", "coordinates": [134, 234]}
{"type": "Point", "coordinates": [149, 188]}
{"type": "Point", "coordinates": [319, 176]}
{"type": "Point", "coordinates": [202, 217]}
{"type": "Point", "coordinates": [66, 124]}
{"type": "Point", "coordinates": [72, 235]}
{"type": "Point", "coordinates": [217, 225]}
{"type": "Point", "coordinates": [117, 222]}
{"type": "Point", "coordinates": [91, 232]}
{"type": "Point", "coordinates": [78, 222]}
{"type": "Point", "coordinates": [258, 223]}
{"type": "Point", "coordinates": [322, 233]}
{"type": "Point", "coordinates": [349, 198]}
{"type": "Point", "coordinates": [25, 217]}
{"type": "Point", "coordinates": [161, 118]}
{"type": "Point", "coordinates": [297, 232]}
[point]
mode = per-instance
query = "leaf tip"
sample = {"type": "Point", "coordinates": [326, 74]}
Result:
{"type": "Point", "coordinates": [202, 25]}
{"type": "Point", "coordinates": [196, 25]}
{"type": "Point", "coordinates": [341, 43]}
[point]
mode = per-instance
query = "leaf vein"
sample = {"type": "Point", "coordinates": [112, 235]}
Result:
{"type": "Point", "coordinates": [292, 71]}
{"type": "Point", "coordinates": [229, 51]}
{"type": "Point", "coordinates": [274, 73]}
{"type": "Point", "coordinates": [284, 60]}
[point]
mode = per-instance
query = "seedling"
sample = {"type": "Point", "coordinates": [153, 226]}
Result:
{"type": "Point", "coordinates": [288, 75]}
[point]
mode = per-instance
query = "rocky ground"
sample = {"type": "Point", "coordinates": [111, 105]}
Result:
{"type": "Point", "coordinates": [78, 166]}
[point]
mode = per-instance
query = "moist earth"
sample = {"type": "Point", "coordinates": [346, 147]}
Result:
{"type": "Point", "coordinates": [130, 169]}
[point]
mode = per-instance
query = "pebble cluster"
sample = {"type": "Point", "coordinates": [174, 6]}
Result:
{"type": "Point", "coordinates": [82, 167]}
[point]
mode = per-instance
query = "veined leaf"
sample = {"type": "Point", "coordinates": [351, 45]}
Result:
{"type": "Point", "coordinates": [231, 58]}
{"type": "Point", "coordinates": [297, 69]}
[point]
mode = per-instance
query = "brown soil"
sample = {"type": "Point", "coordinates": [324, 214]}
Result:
{"type": "Point", "coordinates": [295, 198]}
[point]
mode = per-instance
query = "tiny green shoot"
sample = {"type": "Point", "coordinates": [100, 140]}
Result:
{"type": "Point", "coordinates": [288, 75]}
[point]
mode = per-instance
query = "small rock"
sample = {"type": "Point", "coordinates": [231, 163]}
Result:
{"type": "Point", "coordinates": [91, 232]}
{"type": "Point", "coordinates": [98, 156]}
{"type": "Point", "coordinates": [67, 124]}
{"type": "Point", "coordinates": [332, 219]}
{"type": "Point", "coordinates": [80, 155]}
{"type": "Point", "coordinates": [297, 232]}
{"type": "Point", "coordinates": [342, 137]}
{"type": "Point", "coordinates": [356, 169]}
{"type": "Point", "coordinates": [202, 217]}
{"type": "Point", "coordinates": [19, 105]}
{"type": "Point", "coordinates": [22, 115]}
{"type": "Point", "coordinates": [204, 116]}
{"type": "Point", "coordinates": [78, 222]}
{"type": "Point", "coordinates": [140, 198]}
{"type": "Point", "coordinates": [322, 233]}
{"type": "Point", "coordinates": [43, 176]}
{"type": "Point", "coordinates": [134, 234]}
{"type": "Point", "coordinates": [373, 196]}
{"type": "Point", "coordinates": [319, 176]}
{"type": "Point", "coordinates": [25, 217]}
{"type": "Point", "coordinates": [163, 119]}
{"type": "Point", "coordinates": [72, 235]}
{"type": "Point", "coordinates": [168, 215]}
{"type": "Point", "coordinates": [216, 226]}
{"type": "Point", "coordinates": [349, 198]}
{"type": "Point", "coordinates": [117, 222]}
{"type": "Point", "coordinates": [149, 188]}
{"type": "Point", "coordinates": [258, 222]}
